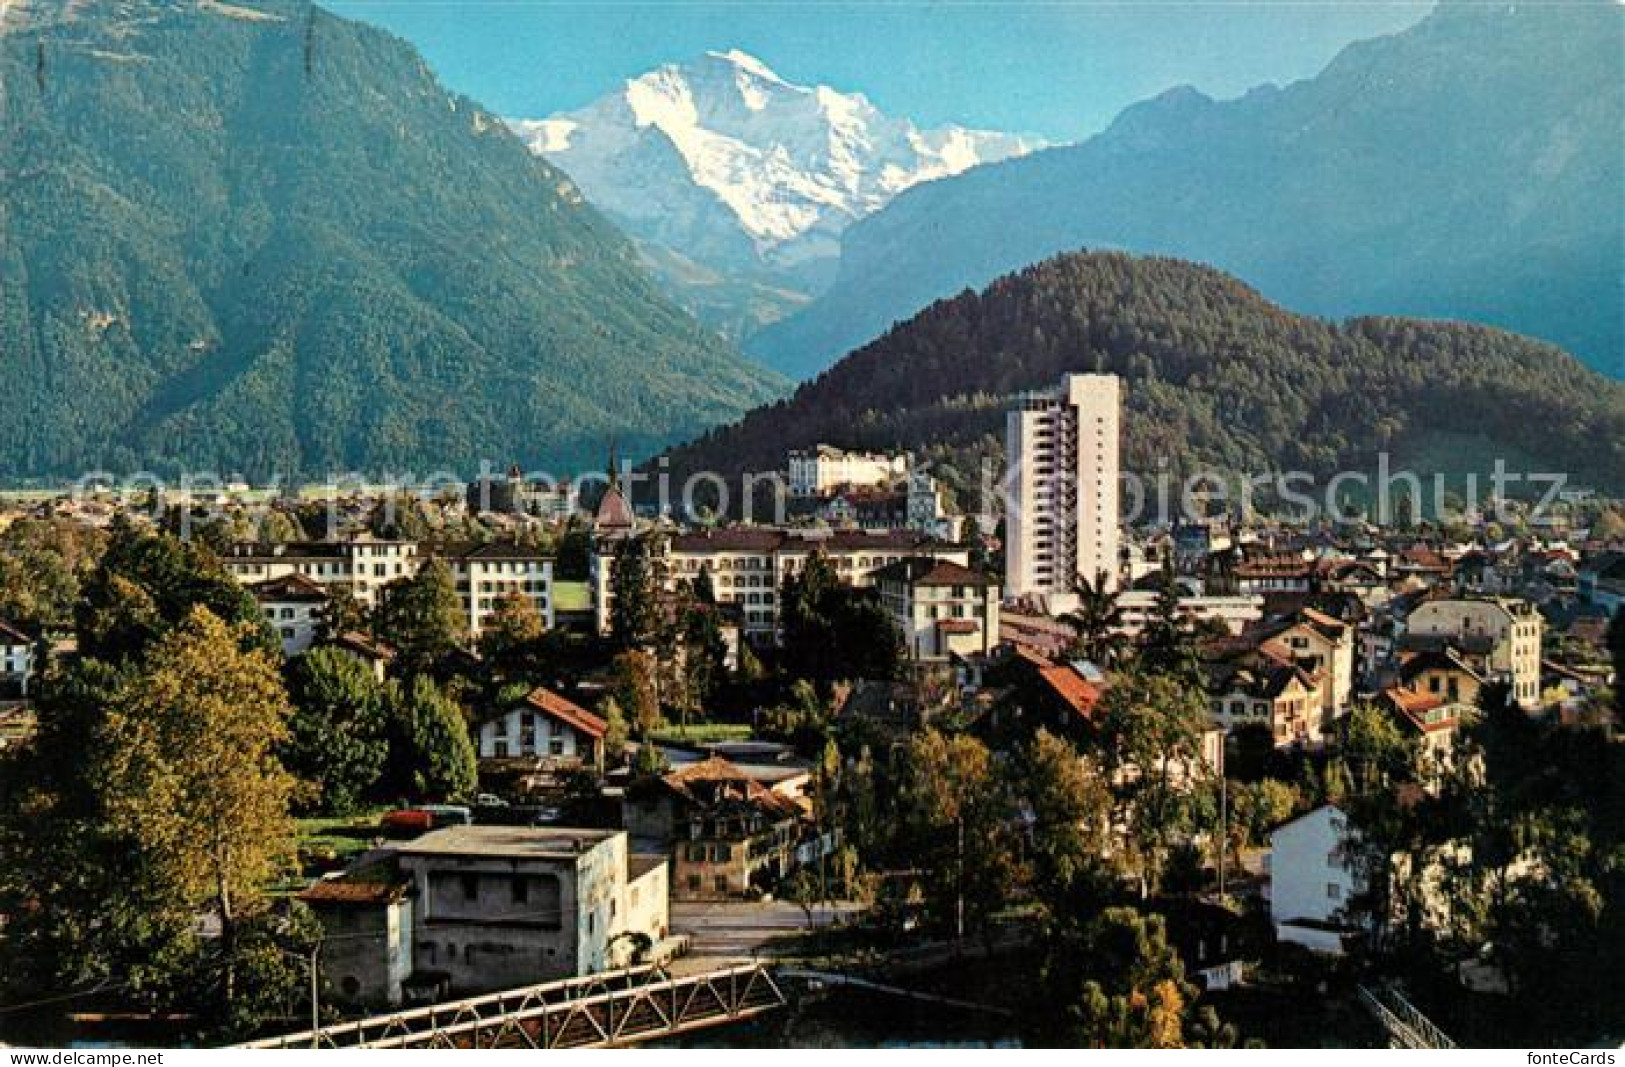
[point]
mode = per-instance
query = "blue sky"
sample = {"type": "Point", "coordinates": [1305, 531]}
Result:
{"type": "Point", "coordinates": [1059, 69]}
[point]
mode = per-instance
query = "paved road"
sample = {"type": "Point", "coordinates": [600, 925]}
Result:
{"type": "Point", "coordinates": [735, 930]}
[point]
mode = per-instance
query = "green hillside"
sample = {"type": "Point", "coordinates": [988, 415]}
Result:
{"type": "Point", "coordinates": [1217, 378]}
{"type": "Point", "coordinates": [261, 238]}
{"type": "Point", "coordinates": [1470, 168]}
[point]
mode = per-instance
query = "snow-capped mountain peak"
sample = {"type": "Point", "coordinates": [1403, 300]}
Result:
{"type": "Point", "coordinates": [724, 161]}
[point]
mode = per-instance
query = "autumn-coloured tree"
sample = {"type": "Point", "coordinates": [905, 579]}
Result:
{"type": "Point", "coordinates": [1071, 809]}
{"type": "Point", "coordinates": [956, 815]}
{"type": "Point", "coordinates": [512, 634]}
{"type": "Point", "coordinates": [1118, 982]}
{"type": "Point", "coordinates": [634, 688]}
{"type": "Point", "coordinates": [190, 776]}
{"type": "Point", "coordinates": [1152, 725]}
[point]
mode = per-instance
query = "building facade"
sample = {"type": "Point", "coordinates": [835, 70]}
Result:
{"type": "Point", "coordinates": [1500, 637]}
{"type": "Point", "coordinates": [544, 726]}
{"type": "Point", "coordinates": [747, 565]}
{"type": "Point", "coordinates": [483, 573]}
{"type": "Point", "coordinates": [824, 468]}
{"type": "Point", "coordinates": [1061, 506]}
{"type": "Point", "coordinates": [16, 662]}
{"type": "Point", "coordinates": [941, 609]}
{"type": "Point", "coordinates": [728, 835]}
{"type": "Point", "coordinates": [295, 608]}
{"type": "Point", "coordinates": [498, 907]}
{"type": "Point", "coordinates": [1312, 880]}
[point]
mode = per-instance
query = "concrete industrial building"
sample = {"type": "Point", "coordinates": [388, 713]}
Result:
{"type": "Point", "coordinates": [471, 909]}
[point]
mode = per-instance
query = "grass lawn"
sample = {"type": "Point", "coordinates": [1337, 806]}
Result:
{"type": "Point", "coordinates": [704, 732]}
{"type": "Point", "coordinates": [572, 596]}
{"type": "Point", "coordinates": [328, 844]}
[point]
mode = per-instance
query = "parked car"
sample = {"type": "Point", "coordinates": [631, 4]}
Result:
{"type": "Point", "coordinates": [449, 814]}
{"type": "Point", "coordinates": [407, 822]}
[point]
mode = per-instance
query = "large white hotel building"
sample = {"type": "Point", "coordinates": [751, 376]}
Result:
{"type": "Point", "coordinates": [1061, 504]}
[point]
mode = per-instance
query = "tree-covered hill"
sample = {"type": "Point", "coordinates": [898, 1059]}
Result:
{"type": "Point", "coordinates": [256, 237]}
{"type": "Point", "coordinates": [1216, 376]}
{"type": "Point", "coordinates": [1468, 168]}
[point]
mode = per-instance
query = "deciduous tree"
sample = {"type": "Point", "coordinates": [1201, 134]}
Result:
{"type": "Point", "coordinates": [191, 778]}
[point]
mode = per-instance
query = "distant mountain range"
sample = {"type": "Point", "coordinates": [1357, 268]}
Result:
{"type": "Point", "coordinates": [1217, 379]}
{"type": "Point", "coordinates": [1470, 167]}
{"type": "Point", "coordinates": [253, 237]}
{"type": "Point", "coordinates": [739, 184]}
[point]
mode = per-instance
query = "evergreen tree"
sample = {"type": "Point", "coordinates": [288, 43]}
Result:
{"type": "Point", "coordinates": [422, 617]}
{"type": "Point", "coordinates": [336, 742]}
{"type": "Point", "coordinates": [1097, 621]}
{"type": "Point", "coordinates": [431, 756]}
{"type": "Point", "coordinates": [1168, 645]}
{"type": "Point", "coordinates": [634, 617]}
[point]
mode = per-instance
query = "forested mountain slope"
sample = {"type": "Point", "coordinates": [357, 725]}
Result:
{"type": "Point", "coordinates": [1468, 168]}
{"type": "Point", "coordinates": [255, 237]}
{"type": "Point", "coordinates": [1217, 377]}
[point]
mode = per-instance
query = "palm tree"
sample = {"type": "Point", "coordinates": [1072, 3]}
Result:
{"type": "Point", "coordinates": [1097, 620]}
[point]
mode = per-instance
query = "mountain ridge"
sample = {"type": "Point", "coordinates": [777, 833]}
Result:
{"type": "Point", "coordinates": [260, 238]}
{"type": "Point", "coordinates": [1466, 168]}
{"type": "Point", "coordinates": [721, 162]}
{"type": "Point", "coordinates": [1217, 378]}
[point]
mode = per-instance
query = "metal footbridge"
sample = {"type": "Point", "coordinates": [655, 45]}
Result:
{"type": "Point", "coordinates": [614, 1008]}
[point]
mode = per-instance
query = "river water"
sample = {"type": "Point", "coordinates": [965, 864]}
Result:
{"type": "Point", "coordinates": [847, 1018]}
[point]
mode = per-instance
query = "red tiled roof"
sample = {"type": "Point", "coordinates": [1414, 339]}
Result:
{"type": "Point", "coordinates": [1320, 618]}
{"type": "Point", "coordinates": [550, 703]}
{"type": "Point", "coordinates": [1077, 692]}
{"type": "Point", "coordinates": [1273, 567]}
{"type": "Point", "coordinates": [360, 643]}
{"type": "Point", "coordinates": [346, 891]}
{"type": "Point", "coordinates": [927, 570]}
{"type": "Point", "coordinates": [1419, 556]}
{"type": "Point", "coordinates": [1413, 706]}
{"type": "Point", "coordinates": [613, 510]}
{"type": "Point", "coordinates": [718, 771]}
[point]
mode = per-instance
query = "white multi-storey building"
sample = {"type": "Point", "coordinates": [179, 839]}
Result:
{"type": "Point", "coordinates": [747, 565]}
{"type": "Point", "coordinates": [941, 609]}
{"type": "Point", "coordinates": [1061, 502]}
{"type": "Point", "coordinates": [484, 573]}
{"type": "Point", "coordinates": [488, 573]}
{"type": "Point", "coordinates": [1313, 877]}
{"type": "Point", "coordinates": [363, 565]}
{"type": "Point", "coordinates": [295, 607]}
{"type": "Point", "coordinates": [816, 471]}
{"type": "Point", "coordinates": [1500, 636]}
